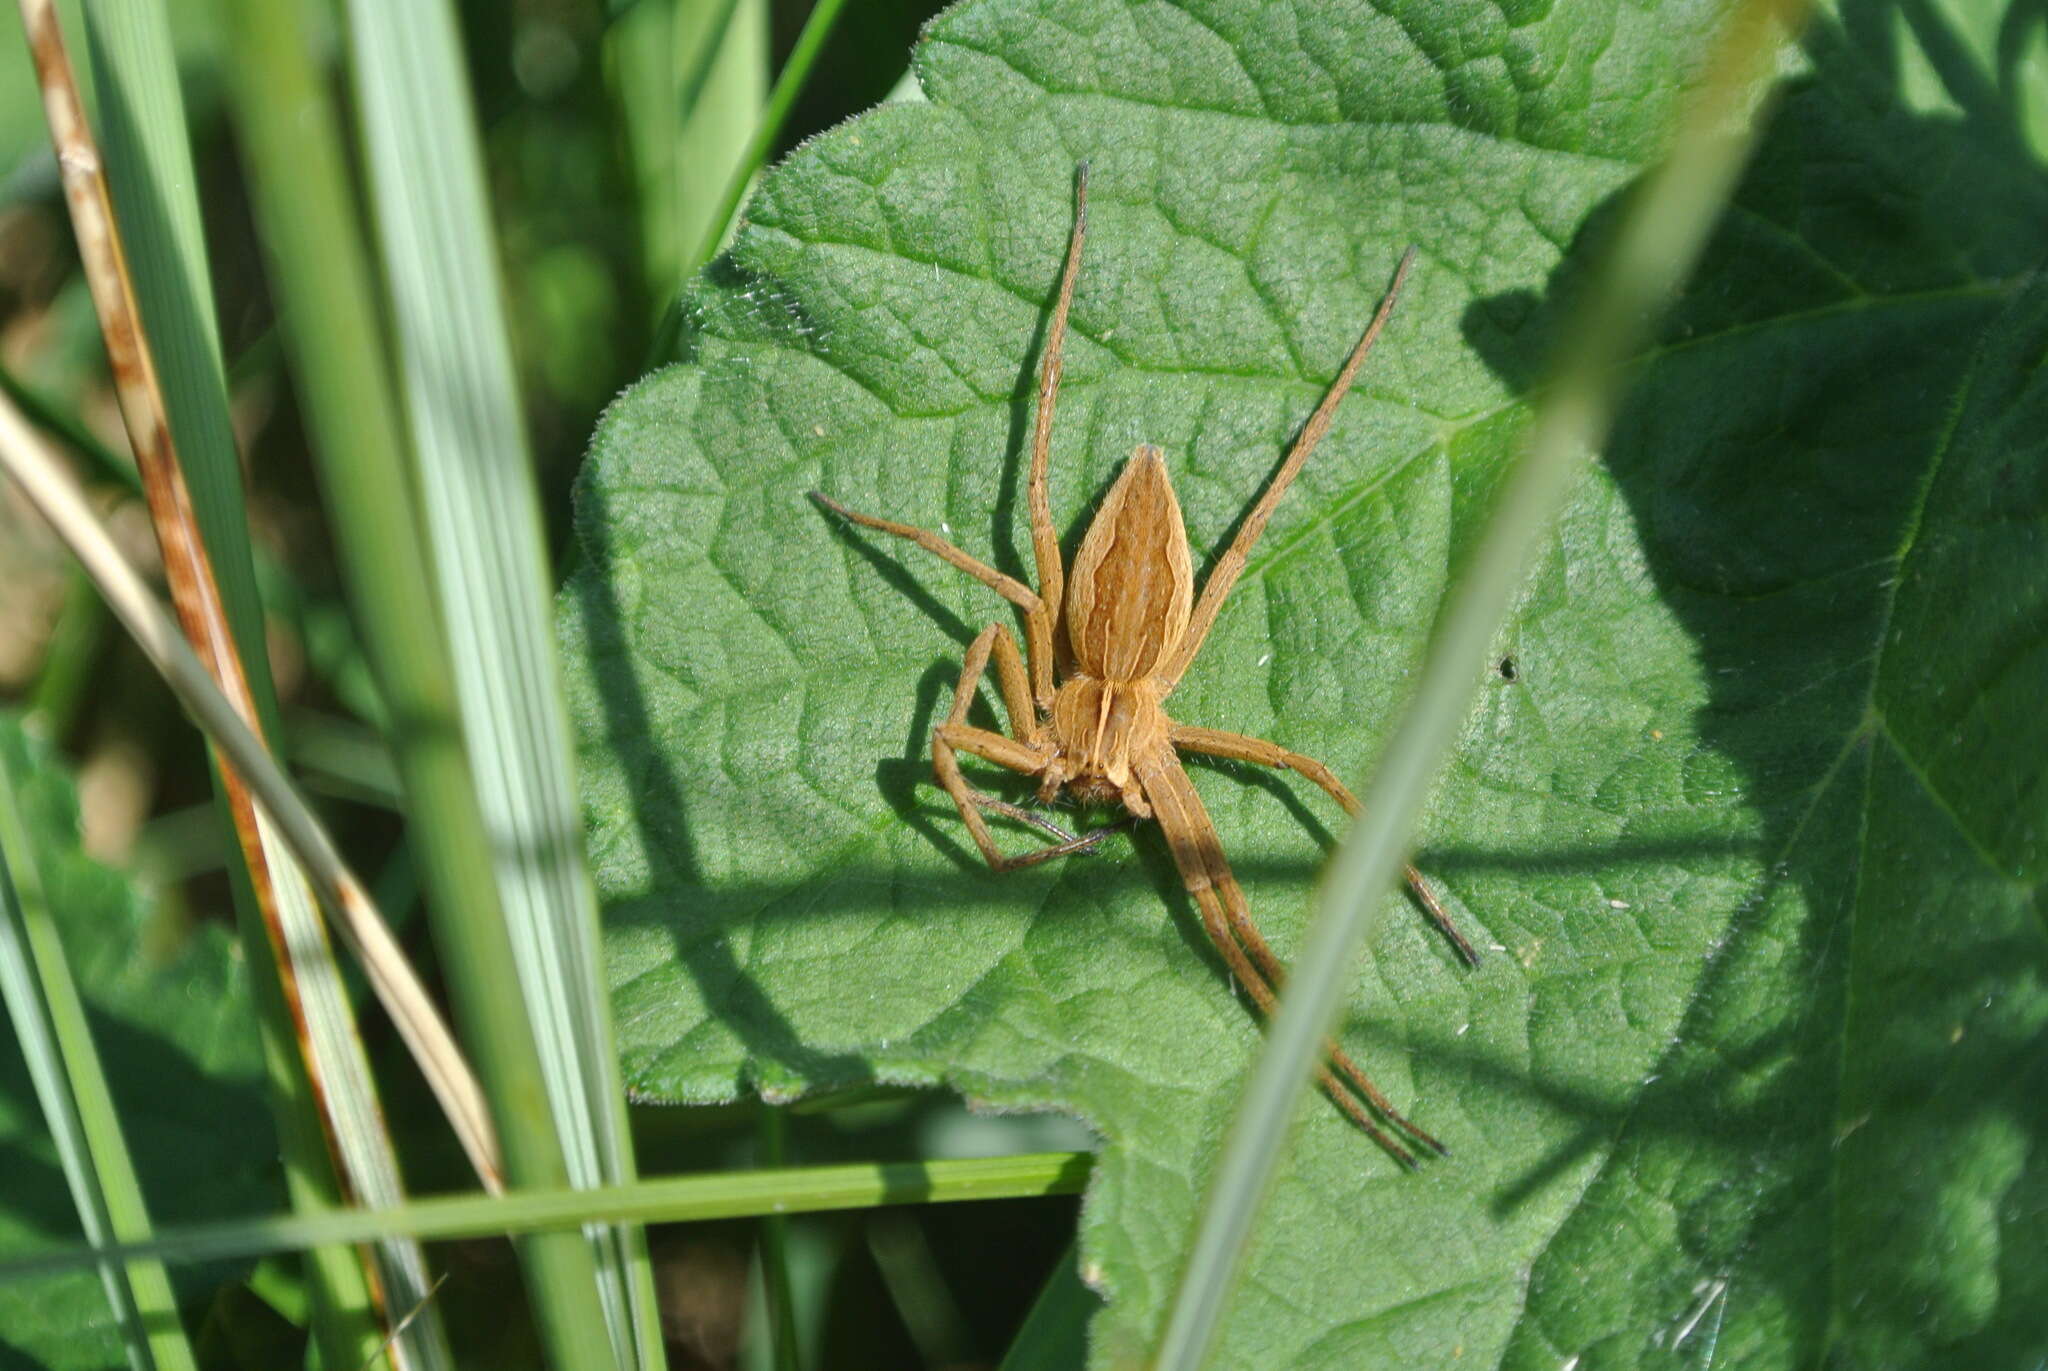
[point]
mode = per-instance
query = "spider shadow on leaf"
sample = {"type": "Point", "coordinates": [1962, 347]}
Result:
{"type": "Point", "coordinates": [900, 580]}
{"type": "Point", "coordinates": [905, 782]}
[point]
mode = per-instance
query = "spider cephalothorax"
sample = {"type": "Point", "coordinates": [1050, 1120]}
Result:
{"type": "Point", "coordinates": [1107, 645]}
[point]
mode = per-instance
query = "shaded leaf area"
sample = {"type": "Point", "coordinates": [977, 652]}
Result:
{"type": "Point", "coordinates": [170, 1015]}
{"type": "Point", "coordinates": [1749, 812]}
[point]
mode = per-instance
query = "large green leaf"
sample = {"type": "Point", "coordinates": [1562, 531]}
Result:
{"type": "Point", "coordinates": [1751, 815]}
{"type": "Point", "coordinates": [171, 1019]}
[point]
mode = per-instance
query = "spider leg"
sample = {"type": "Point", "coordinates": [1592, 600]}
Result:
{"type": "Point", "coordinates": [1226, 918]}
{"type": "Point", "coordinates": [995, 644]}
{"type": "Point", "coordinates": [1037, 618]}
{"type": "Point", "coordinates": [1217, 588]}
{"type": "Point", "coordinates": [1216, 743]}
{"type": "Point", "coordinates": [948, 740]}
{"type": "Point", "coordinates": [1041, 608]}
{"type": "Point", "coordinates": [1045, 543]}
{"type": "Point", "coordinates": [995, 804]}
{"type": "Point", "coordinates": [1027, 753]}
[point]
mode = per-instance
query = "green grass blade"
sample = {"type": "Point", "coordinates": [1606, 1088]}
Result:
{"type": "Point", "coordinates": [1658, 244]}
{"type": "Point", "coordinates": [66, 676]}
{"type": "Point", "coordinates": [1055, 1333]}
{"type": "Point", "coordinates": [327, 290]}
{"type": "Point", "coordinates": [151, 184]}
{"type": "Point", "coordinates": [700, 43]}
{"type": "Point", "coordinates": [688, 81]}
{"type": "Point", "coordinates": [49, 1022]}
{"type": "Point", "coordinates": [340, 757]}
{"type": "Point", "coordinates": [772, 1250]}
{"type": "Point", "coordinates": [668, 1199]}
{"type": "Point", "coordinates": [789, 84]}
{"type": "Point", "coordinates": [919, 1288]}
{"type": "Point", "coordinates": [482, 517]}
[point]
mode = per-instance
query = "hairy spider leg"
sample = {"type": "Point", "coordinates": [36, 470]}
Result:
{"type": "Point", "coordinates": [1037, 622]}
{"type": "Point", "coordinates": [996, 805]}
{"type": "Point", "coordinates": [1028, 752]}
{"type": "Point", "coordinates": [1215, 742]}
{"type": "Point", "coordinates": [1042, 607]}
{"type": "Point", "coordinates": [1226, 918]}
{"type": "Point", "coordinates": [1231, 565]}
{"type": "Point", "coordinates": [1190, 834]}
{"type": "Point", "coordinates": [1045, 543]}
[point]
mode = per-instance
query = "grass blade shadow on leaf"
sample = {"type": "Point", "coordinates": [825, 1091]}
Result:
{"type": "Point", "coordinates": [1789, 527]}
{"type": "Point", "coordinates": [662, 818]}
{"type": "Point", "coordinates": [1667, 221]}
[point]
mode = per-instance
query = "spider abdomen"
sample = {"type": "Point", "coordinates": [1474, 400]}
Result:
{"type": "Point", "coordinates": [1132, 587]}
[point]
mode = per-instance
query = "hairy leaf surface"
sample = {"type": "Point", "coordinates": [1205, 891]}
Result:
{"type": "Point", "coordinates": [1749, 815]}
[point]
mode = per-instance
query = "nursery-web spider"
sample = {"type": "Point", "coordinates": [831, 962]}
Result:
{"type": "Point", "coordinates": [1088, 716]}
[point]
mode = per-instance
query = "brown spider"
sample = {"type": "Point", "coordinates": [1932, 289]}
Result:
{"type": "Point", "coordinates": [1089, 717]}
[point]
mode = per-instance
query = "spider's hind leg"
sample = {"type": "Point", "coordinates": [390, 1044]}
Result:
{"type": "Point", "coordinates": [1215, 742]}
{"type": "Point", "coordinates": [1226, 918]}
{"type": "Point", "coordinates": [1029, 752]}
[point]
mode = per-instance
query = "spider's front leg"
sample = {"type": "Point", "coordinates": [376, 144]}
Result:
{"type": "Point", "coordinates": [1030, 752]}
{"type": "Point", "coordinates": [1038, 615]}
